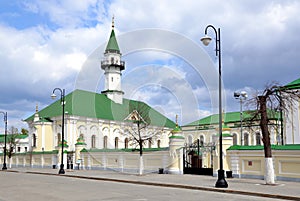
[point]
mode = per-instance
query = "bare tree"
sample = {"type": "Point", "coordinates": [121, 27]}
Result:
{"type": "Point", "coordinates": [139, 134]}
{"type": "Point", "coordinates": [273, 98]}
{"type": "Point", "coordinates": [12, 141]}
{"type": "Point", "coordinates": [13, 130]}
{"type": "Point", "coordinates": [24, 131]}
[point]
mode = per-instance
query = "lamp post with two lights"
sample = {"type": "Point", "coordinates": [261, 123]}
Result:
{"type": "Point", "coordinates": [241, 96]}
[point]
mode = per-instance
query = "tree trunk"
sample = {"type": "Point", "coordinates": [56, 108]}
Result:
{"type": "Point", "coordinates": [269, 169]}
{"type": "Point", "coordinates": [10, 162]}
{"type": "Point", "coordinates": [141, 162]}
{"type": "Point", "coordinates": [141, 165]}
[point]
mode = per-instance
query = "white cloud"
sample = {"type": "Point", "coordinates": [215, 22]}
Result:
{"type": "Point", "coordinates": [165, 87]}
{"type": "Point", "coordinates": [69, 13]}
{"type": "Point", "coordinates": [36, 60]}
{"type": "Point", "coordinates": [259, 44]}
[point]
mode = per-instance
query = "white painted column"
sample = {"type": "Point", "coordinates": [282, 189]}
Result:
{"type": "Point", "coordinates": [72, 134]}
{"type": "Point", "coordinates": [176, 142]}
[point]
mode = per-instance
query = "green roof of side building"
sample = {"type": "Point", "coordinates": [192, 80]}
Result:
{"type": "Point", "coordinates": [94, 105]}
{"type": "Point", "coordinates": [293, 85]}
{"type": "Point", "coordinates": [17, 136]}
{"type": "Point", "coordinates": [261, 147]}
{"type": "Point", "coordinates": [229, 117]}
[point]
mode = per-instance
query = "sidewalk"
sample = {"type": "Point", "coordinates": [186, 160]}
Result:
{"type": "Point", "coordinates": [252, 187]}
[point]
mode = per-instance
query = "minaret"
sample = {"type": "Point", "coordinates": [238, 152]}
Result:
{"type": "Point", "coordinates": [112, 65]}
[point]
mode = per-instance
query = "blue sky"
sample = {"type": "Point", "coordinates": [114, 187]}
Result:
{"type": "Point", "coordinates": [44, 44]}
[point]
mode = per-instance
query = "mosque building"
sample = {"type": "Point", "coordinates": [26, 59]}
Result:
{"type": "Point", "coordinates": [99, 119]}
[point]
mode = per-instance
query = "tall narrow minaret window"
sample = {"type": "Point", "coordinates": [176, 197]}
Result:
{"type": "Point", "coordinates": [112, 66]}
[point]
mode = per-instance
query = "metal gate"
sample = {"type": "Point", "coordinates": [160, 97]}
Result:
{"type": "Point", "coordinates": [70, 157]}
{"type": "Point", "coordinates": [192, 158]}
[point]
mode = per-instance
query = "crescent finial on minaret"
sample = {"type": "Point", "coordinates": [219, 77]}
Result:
{"type": "Point", "coordinates": [113, 22]}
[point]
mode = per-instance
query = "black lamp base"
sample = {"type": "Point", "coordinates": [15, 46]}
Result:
{"type": "Point", "coordinates": [4, 166]}
{"type": "Point", "coordinates": [221, 182]}
{"type": "Point", "coordinates": [61, 170]}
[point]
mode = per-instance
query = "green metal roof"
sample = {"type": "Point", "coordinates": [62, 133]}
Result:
{"type": "Point", "coordinates": [260, 147]}
{"type": "Point", "coordinates": [112, 44]}
{"type": "Point", "coordinates": [18, 136]}
{"type": "Point", "coordinates": [214, 119]}
{"type": "Point", "coordinates": [229, 117]}
{"type": "Point", "coordinates": [94, 105]}
{"type": "Point", "coordinates": [293, 85]}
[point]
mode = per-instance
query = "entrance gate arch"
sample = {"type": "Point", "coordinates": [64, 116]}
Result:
{"type": "Point", "coordinates": [192, 158]}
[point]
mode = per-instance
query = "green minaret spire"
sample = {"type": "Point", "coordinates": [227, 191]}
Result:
{"type": "Point", "coordinates": [112, 45]}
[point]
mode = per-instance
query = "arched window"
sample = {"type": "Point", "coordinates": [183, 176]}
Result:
{"type": "Point", "coordinates": [257, 138]}
{"type": "Point", "coordinates": [126, 143]}
{"type": "Point", "coordinates": [190, 139]}
{"type": "Point", "coordinates": [150, 143]}
{"type": "Point", "coordinates": [116, 142]}
{"type": "Point", "coordinates": [246, 139]}
{"type": "Point", "coordinates": [215, 138]}
{"type": "Point", "coordinates": [105, 142]}
{"type": "Point", "coordinates": [158, 143]}
{"type": "Point", "coordinates": [33, 140]}
{"type": "Point", "coordinates": [93, 141]}
{"type": "Point", "coordinates": [234, 139]}
{"type": "Point", "coordinates": [201, 140]}
{"type": "Point", "coordinates": [82, 136]}
{"type": "Point", "coordinates": [82, 130]}
{"type": "Point", "coordinates": [58, 139]}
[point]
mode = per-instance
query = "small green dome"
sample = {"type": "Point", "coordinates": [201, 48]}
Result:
{"type": "Point", "coordinates": [177, 129]}
{"type": "Point", "coordinates": [80, 141]}
{"type": "Point", "coordinates": [65, 144]}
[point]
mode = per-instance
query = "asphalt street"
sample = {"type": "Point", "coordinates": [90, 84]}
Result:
{"type": "Point", "coordinates": [22, 186]}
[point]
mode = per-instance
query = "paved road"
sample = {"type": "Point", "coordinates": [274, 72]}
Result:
{"type": "Point", "coordinates": [18, 186]}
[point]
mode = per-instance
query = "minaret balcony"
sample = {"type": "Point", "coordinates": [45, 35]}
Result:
{"type": "Point", "coordinates": [106, 63]}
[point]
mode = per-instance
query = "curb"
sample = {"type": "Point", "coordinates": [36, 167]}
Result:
{"type": "Point", "coordinates": [220, 190]}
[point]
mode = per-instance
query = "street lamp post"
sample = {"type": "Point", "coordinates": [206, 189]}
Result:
{"type": "Point", "coordinates": [242, 96]}
{"type": "Point", "coordinates": [5, 135]}
{"type": "Point", "coordinates": [62, 100]}
{"type": "Point", "coordinates": [221, 182]}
